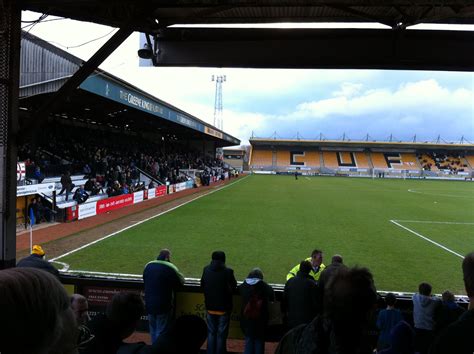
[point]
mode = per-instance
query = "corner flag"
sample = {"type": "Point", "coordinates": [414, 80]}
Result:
{"type": "Point", "coordinates": [32, 217]}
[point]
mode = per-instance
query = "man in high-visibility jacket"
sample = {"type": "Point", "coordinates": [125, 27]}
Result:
{"type": "Point", "coordinates": [316, 260]}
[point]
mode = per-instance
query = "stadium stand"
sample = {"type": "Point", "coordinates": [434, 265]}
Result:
{"type": "Point", "coordinates": [262, 157]}
{"type": "Point", "coordinates": [362, 160]}
{"type": "Point", "coordinates": [330, 159]}
{"type": "Point", "coordinates": [283, 158]}
{"type": "Point", "coordinates": [470, 161]}
{"type": "Point", "coordinates": [378, 160]}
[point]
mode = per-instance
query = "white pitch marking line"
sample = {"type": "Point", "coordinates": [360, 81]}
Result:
{"type": "Point", "coordinates": [440, 195]}
{"type": "Point", "coordinates": [65, 265]}
{"type": "Point", "coordinates": [145, 220]}
{"type": "Point", "coordinates": [437, 222]}
{"type": "Point", "coordinates": [426, 239]}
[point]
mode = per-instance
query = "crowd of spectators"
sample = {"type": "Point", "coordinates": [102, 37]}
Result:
{"type": "Point", "coordinates": [443, 161]}
{"type": "Point", "coordinates": [110, 157]}
{"type": "Point", "coordinates": [339, 324]}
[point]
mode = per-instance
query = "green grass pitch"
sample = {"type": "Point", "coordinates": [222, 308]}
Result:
{"type": "Point", "coordinates": [274, 222]}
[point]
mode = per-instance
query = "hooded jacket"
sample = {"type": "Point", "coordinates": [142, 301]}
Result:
{"type": "Point", "coordinates": [423, 311]}
{"type": "Point", "coordinates": [218, 283]}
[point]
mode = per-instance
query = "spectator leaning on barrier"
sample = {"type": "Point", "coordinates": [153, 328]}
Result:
{"type": "Point", "coordinates": [448, 312]}
{"type": "Point", "coordinates": [218, 283]}
{"type": "Point", "coordinates": [317, 266]}
{"type": "Point", "coordinates": [458, 336]}
{"type": "Point", "coordinates": [424, 306]}
{"type": "Point", "coordinates": [342, 328]}
{"type": "Point", "coordinates": [256, 296]}
{"type": "Point", "coordinates": [387, 319]}
{"type": "Point", "coordinates": [299, 303]}
{"type": "Point", "coordinates": [36, 260]}
{"type": "Point", "coordinates": [336, 263]}
{"type": "Point", "coordinates": [161, 278]}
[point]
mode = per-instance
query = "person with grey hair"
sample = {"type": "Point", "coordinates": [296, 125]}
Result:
{"type": "Point", "coordinates": [161, 279]}
{"type": "Point", "coordinates": [256, 296]}
{"type": "Point", "coordinates": [36, 314]}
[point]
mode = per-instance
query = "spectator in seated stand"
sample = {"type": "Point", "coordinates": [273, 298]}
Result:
{"type": "Point", "coordinates": [448, 312]}
{"type": "Point", "coordinates": [402, 340]}
{"type": "Point", "coordinates": [424, 306]}
{"type": "Point", "coordinates": [349, 299]}
{"type": "Point", "coordinates": [387, 320]}
{"type": "Point", "coordinates": [256, 296]}
{"type": "Point", "coordinates": [36, 260]}
{"type": "Point", "coordinates": [457, 337]}
{"type": "Point", "coordinates": [35, 312]}
{"type": "Point", "coordinates": [92, 186]}
{"type": "Point", "coordinates": [80, 195]}
{"type": "Point", "coordinates": [299, 304]}
{"type": "Point", "coordinates": [38, 175]}
{"type": "Point", "coordinates": [218, 284]}
{"type": "Point", "coordinates": [317, 266]}
{"type": "Point", "coordinates": [119, 322]}
{"type": "Point", "coordinates": [44, 212]}
{"type": "Point", "coordinates": [161, 279]}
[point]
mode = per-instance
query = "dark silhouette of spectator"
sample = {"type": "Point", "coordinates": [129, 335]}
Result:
{"type": "Point", "coordinates": [161, 278]}
{"type": "Point", "coordinates": [119, 322]}
{"type": "Point", "coordinates": [256, 295]}
{"type": "Point", "coordinates": [218, 283]}
{"type": "Point", "coordinates": [336, 263]}
{"type": "Point", "coordinates": [43, 211]}
{"type": "Point", "coordinates": [80, 195]}
{"type": "Point", "coordinates": [35, 312]}
{"type": "Point", "coordinates": [36, 260]}
{"type": "Point", "coordinates": [33, 208]}
{"type": "Point", "coordinates": [387, 319]}
{"type": "Point", "coordinates": [424, 306]}
{"type": "Point", "coordinates": [299, 303]}
{"type": "Point", "coordinates": [186, 336]}
{"type": "Point", "coordinates": [80, 308]}
{"type": "Point", "coordinates": [457, 337]}
{"type": "Point", "coordinates": [38, 175]}
{"type": "Point", "coordinates": [402, 340]}
{"type": "Point", "coordinates": [66, 184]}
{"type": "Point", "coordinates": [448, 312]}
{"type": "Point", "coordinates": [342, 328]}
{"type": "Point", "coordinates": [317, 266]}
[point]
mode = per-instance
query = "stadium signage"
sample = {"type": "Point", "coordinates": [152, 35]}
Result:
{"type": "Point", "coordinates": [151, 193]}
{"type": "Point", "coordinates": [137, 197]}
{"type": "Point", "coordinates": [160, 191]}
{"type": "Point", "coordinates": [113, 203]}
{"type": "Point", "coordinates": [87, 210]}
{"type": "Point", "coordinates": [213, 132]}
{"type": "Point", "coordinates": [34, 189]}
{"type": "Point", "coordinates": [140, 102]}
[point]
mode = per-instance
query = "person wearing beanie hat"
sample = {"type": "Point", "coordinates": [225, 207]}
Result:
{"type": "Point", "coordinates": [218, 284]}
{"type": "Point", "coordinates": [36, 260]}
{"type": "Point", "coordinates": [256, 296]}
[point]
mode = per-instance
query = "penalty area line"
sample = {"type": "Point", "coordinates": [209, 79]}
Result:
{"type": "Point", "coordinates": [426, 239]}
{"type": "Point", "coordinates": [142, 221]}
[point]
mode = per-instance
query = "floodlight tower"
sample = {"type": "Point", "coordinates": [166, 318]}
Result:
{"type": "Point", "coordinates": [218, 118]}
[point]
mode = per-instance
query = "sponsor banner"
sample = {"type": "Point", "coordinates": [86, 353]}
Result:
{"type": "Point", "coordinates": [180, 187]}
{"type": "Point", "coordinates": [160, 191]}
{"type": "Point", "coordinates": [86, 210]}
{"type": "Point", "coordinates": [171, 189]}
{"type": "Point", "coordinates": [20, 171]}
{"type": "Point", "coordinates": [189, 184]}
{"type": "Point", "coordinates": [113, 203]}
{"type": "Point", "coordinates": [46, 188]}
{"type": "Point", "coordinates": [98, 296]}
{"type": "Point", "coordinates": [213, 132]}
{"type": "Point", "coordinates": [151, 193]}
{"type": "Point", "coordinates": [137, 197]}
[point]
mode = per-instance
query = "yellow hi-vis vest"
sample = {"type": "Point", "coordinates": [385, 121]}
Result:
{"type": "Point", "coordinates": [312, 273]}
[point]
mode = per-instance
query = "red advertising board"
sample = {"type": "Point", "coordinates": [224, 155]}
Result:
{"type": "Point", "coordinates": [160, 191]}
{"type": "Point", "coordinates": [113, 203]}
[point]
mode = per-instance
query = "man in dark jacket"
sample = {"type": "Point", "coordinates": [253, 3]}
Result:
{"type": "Point", "coordinates": [256, 295]}
{"type": "Point", "coordinates": [218, 283]}
{"type": "Point", "coordinates": [299, 304]}
{"type": "Point", "coordinates": [336, 264]}
{"type": "Point", "coordinates": [36, 260]}
{"type": "Point", "coordinates": [457, 337]}
{"type": "Point", "coordinates": [161, 278]}
{"type": "Point", "coordinates": [342, 328]}
{"type": "Point", "coordinates": [66, 184]}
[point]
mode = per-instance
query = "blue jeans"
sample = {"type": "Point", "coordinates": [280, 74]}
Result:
{"type": "Point", "coordinates": [254, 345]}
{"type": "Point", "coordinates": [159, 324]}
{"type": "Point", "coordinates": [217, 331]}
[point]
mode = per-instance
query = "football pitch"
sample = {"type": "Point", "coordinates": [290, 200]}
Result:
{"type": "Point", "coordinates": [404, 231]}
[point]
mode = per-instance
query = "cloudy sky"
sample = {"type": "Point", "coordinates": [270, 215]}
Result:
{"type": "Point", "coordinates": [306, 103]}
